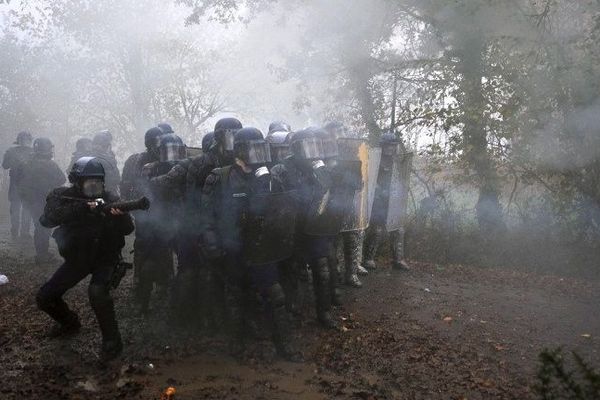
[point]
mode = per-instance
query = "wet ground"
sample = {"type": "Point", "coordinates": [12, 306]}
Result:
{"type": "Point", "coordinates": [436, 332]}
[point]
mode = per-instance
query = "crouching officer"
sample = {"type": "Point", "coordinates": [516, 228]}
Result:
{"type": "Point", "coordinates": [89, 238]}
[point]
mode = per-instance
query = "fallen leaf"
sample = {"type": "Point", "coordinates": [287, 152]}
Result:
{"type": "Point", "coordinates": [447, 319]}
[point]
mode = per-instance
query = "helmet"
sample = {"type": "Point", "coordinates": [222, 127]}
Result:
{"type": "Point", "coordinates": [279, 126]}
{"type": "Point", "coordinates": [279, 142]}
{"type": "Point", "coordinates": [24, 138]}
{"type": "Point", "coordinates": [171, 148]}
{"type": "Point", "coordinates": [224, 131]}
{"type": "Point", "coordinates": [102, 139]}
{"type": "Point", "coordinates": [305, 145]}
{"type": "Point", "coordinates": [151, 138]}
{"type": "Point", "coordinates": [86, 167]}
{"type": "Point", "coordinates": [43, 147]}
{"type": "Point", "coordinates": [250, 147]}
{"type": "Point", "coordinates": [329, 140]}
{"type": "Point", "coordinates": [390, 144]}
{"type": "Point", "coordinates": [83, 145]}
{"type": "Point", "coordinates": [207, 141]}
{"type": "Point", "coordinates": [166, 128]}
{"type": "Point", "coordinates": [336, 128]}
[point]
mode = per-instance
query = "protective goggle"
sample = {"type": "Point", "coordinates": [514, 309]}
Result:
{"type": "Point", "coordinates": [93, 188]}
{"type": "Point", "coordinates": [225, 137]}
{"type": "Point", "coordinates": [308, 149]}
{"type": "Point", "coordinates": [256, 152]}
{"type": "Point", "coordinates": [171, 152]}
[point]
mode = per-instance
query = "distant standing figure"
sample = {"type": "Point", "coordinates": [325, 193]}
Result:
{"type": "Point", "coordinates": [37, 177]}
{"type": "Point", "coordinates": [19, 218]}
{"type": "Point", "coordinates": [102, 150]}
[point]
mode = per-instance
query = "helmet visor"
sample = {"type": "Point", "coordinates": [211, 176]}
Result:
{"type": "Point", "coordinates": [258, 152]}
{"type": "Point", "coordinates": [93, 187]}
{"type": "Point", "coordinates": [309, 149]}
{"type": "Point", "coordinates": [172, 152]}
{"type": "Point", "coordinates": [391, 149]}
{"type": "Point", "coordinates": [279, 153]}
{"type": "Point", "coordinates": [227, 139]}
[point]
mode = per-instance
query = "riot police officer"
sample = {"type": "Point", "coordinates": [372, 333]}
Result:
{"type": "Point", "coordinates": [279, 142]}
{"type": "Point", "coordinates": [102, 150]}
{"type": "Point", "coordinates": [19, 217]}
{"type": "Point", "coordinates": [319, 220]}
{"type": "Point", "coordinates": [152, 252]}
{"type": "Point", "coordinates": [188, 177]}
{"type": "Point", "coordinates": [237, 227]}
{"type": "Point", "coordinates": [90, 240]}
{"type": "Point", "coordinates": [389, 206]}
{"type": "Point", "coordinates": [37, 177]}
{"type": "Point", "coordinates": [350, 240]}
{"type": "Point", "coordinates": [279, 126]}
{"type": "Point", "coordinates": [83, 148]}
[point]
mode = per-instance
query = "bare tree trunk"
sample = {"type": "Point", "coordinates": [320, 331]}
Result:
{"type": "Point", "coordinates": [475, 142]}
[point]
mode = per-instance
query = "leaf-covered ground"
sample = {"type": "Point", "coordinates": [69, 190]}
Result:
{"type": "Point", "coordinates": [436, 332]}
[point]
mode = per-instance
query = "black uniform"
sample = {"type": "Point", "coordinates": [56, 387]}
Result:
{"type": "Point", "coordinates": [90, 243]}
{"type": "Point", "coordinates": [311, 184]}
{"type": "Point", "coordinates": [196, 283]}
{"type": "Point", "coordinates": [153, 244]}
{"type": "Point", "coordinates": [226, 200]}
{"type": "Point", "coordinates": [19, 217]}
{"type": "Point", "coordinates": [37, 178]}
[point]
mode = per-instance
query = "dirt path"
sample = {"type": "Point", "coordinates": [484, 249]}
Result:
{"type": "Point", "coordinates": [450, 332]}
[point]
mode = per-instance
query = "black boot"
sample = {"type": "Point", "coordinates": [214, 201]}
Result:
{"type": "Point", "coordinates": [282, 331]}
{"type": "Point", "coordinates": [320, 270]}
{"type": "Point", "coordinates": [103, 306]}
{"type": "Point", "coordinates": [67, 321]}
{"type": "Point", "coordinates": [234, 299]}
{"type": "Point", "coordinates": [66, 329]}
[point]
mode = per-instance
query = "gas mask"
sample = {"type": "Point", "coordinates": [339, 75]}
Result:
{"type": "Point", "coordinates": [93, 188]}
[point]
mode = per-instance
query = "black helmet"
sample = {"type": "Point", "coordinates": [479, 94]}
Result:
{"type": "Point", "coordinates": [250, 147]}
{"type": "Point", "coordinates": [24, 138]}
{"type": "Point", "coordinates": [43, 147]}
{"type": "Point", "coordinates": [166, 128]}
{"type": "Point", "coordinates": [151, 138]}
{"type": "Point", "coordinates": [279, 142]}
{"type": "Point", "coordinates": [207, 141]}
{"type": "Point", "coordinates": [330, 147]}
{"type": "Point", "coordinates": [304, 145]}
{"type": "Point", "coordinates": [390, 144]}
{"type": "Point", "coordinates": [83, 145]}
{"type": "Point", "coordinates": [102, 139]}
{"type": "Point", "coordinates": [225, 129]}
{"type": "Point", "coordinates": [336, 128]}
{"type": "Point", "coordinates": [86, 167]}
{"type": "Point", "coordinates": [171, 148]}
{"type": "Point", "coordinates": [279, 126]}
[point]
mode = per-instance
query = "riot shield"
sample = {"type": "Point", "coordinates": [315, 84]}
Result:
{"type": "Point", "coordinates": [324, 216]}
{"type": "Point", "coordinates": [396, 180]}
{"type": "Point", "coordinates": [357, 158]}
{"type": "Point", "coordinates": [269, 228]}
